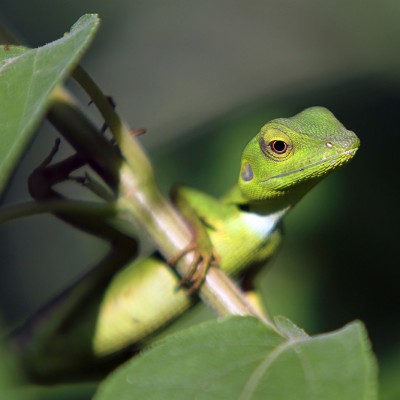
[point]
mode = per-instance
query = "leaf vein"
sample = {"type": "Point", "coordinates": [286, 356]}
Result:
{"type": "Point", "coordinates": [256, 376]}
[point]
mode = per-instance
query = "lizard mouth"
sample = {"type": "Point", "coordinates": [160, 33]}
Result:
{"type": "Point", "coordinates": [338, 159]}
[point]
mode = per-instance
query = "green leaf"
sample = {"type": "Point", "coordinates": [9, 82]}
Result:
{"type": "Point", "coordinates": [288, 329]}
{"type": "Point", "coordinates": [82, 391]}
{"type": "Point", "coordinates": [240, 358]}
{"type": "Point", "coordinates": [27, 77]}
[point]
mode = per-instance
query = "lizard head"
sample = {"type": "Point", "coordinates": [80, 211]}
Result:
{"type": "Point", "coordinates": [290, 155]}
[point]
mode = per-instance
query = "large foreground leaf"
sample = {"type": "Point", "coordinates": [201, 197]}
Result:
{"type": "Point", "coordinates": [56, 392]}
{"type": "Point", "coordinates": [27, 77]}
{"type": "Point", "coordinates": [240, 358]}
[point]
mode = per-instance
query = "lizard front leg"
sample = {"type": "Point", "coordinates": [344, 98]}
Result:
{"type": "Point", "coordinates": [201, 245]}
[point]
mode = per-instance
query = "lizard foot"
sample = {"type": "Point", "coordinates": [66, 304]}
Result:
{"type": "Point", "coordinates": [197, 272]}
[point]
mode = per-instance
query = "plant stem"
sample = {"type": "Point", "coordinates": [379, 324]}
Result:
{"type": "Point", "coordinates": [131, 176]}
{"type": "Point", "coordinates": [74, 207]}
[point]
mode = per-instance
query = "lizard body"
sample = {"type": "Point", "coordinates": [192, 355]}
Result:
{"type": "Point", "coordinates": [278, 166]}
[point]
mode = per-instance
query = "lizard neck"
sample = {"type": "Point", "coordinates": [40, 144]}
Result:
{"type": "Point", "coordinates": [260, 218]}
{"type": "Point", "coordinates": [277, 206]}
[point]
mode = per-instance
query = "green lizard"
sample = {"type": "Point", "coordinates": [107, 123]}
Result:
{"type": "Point", "coordinates": [240, 230]}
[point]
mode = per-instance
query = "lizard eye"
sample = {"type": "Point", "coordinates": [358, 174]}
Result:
{"type": "Point", "coordinates": [278, 146]}
{"type": "Point", "coordinates": [275, 144]}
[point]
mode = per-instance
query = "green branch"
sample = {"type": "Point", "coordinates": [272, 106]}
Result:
{"type": "Point", "coordinates": [138, 197]}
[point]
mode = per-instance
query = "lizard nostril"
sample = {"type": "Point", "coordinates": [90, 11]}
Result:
{"type": "Point", "coordinates": [329, 144]}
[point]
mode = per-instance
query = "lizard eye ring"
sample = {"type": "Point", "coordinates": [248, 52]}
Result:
{"type": "Point", "coordinates": [275, 144]}
{"type": "Point", "coordinates": [278, 146]}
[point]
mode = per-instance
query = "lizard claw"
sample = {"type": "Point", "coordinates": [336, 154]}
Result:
{"type": "Point", "coordinates": [197, 272]}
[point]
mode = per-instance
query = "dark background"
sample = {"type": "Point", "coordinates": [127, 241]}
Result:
{"type": "Point", "coordinates": [202, 77]}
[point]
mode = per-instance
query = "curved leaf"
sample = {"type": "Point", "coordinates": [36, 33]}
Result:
{"type": "Point", "coordinates": [240, 358]}
{"type": "Point", "coordinates": [27, 77]}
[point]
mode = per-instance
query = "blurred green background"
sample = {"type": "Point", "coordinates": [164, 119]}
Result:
{"type": "Point", "coordinates": [202, 77]}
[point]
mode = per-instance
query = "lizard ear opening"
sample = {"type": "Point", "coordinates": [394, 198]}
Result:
{"type": "Point", "coordinates": [246, 172]}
